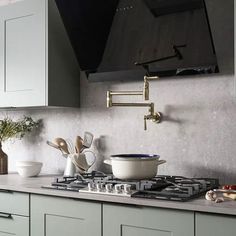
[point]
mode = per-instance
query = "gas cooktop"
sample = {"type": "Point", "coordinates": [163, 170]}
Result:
{"type": "Point", "coordinates": [176, 188]}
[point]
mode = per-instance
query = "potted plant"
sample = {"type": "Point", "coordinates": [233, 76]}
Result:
{"type": "Point", "coordinates": [13, 129]}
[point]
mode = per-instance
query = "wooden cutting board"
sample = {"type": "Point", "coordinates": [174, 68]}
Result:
{"type": "Point", "coordinates": [230, 195]}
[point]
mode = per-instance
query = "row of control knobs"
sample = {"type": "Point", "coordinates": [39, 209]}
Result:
{"type": "Point", "coordinates": [110, 188]}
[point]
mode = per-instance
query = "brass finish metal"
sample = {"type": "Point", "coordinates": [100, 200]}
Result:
{"type": "Point", "coordinates": [109, 99]}
{"type": "Point", "coordinates": [146, 86]}
{"type": "Point", "coordinates": [153, 116]}
{"type": "Point", "coordinates": [132, 104]}
{"type": "Point", "coordinates": [144, 93]}
{"type": "Point", "coordinates": [126, 93]}
{"type": "Point", "coordinates": [156, 117]}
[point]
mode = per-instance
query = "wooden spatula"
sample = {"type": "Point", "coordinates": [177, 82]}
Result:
{"type": "Point", "coordinates": [79, 144]}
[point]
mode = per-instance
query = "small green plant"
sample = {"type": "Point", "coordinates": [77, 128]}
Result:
{"type": "Point", "coordinates": [16, 129]}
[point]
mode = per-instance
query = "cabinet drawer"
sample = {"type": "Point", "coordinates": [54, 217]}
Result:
{"type": "Point", "coordinates": [14, 203]}
{"type": "Point", "coordinates": [215, 225]}
{"type": "Point", "coordinates": [54, 216]}
{"type": "Point", "coordinates": [14, 225]}
{"type": "Point", "coordinates": [144, 221]}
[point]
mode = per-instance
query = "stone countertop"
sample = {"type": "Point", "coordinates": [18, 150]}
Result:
{"type": "Point", "coordinates": [33, 185]}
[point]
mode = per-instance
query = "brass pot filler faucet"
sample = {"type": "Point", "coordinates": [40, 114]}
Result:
{"type": "Point", "coordinates": [152, 115]}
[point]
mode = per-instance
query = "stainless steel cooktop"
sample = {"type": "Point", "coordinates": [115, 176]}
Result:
{"type": "Point", "coordinates": [177, 188]}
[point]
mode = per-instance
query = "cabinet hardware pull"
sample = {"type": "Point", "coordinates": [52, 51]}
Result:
{"type": "Point", "coordinates": [5, 215]}
{"type": "Point", "coordinates": [5, 191]}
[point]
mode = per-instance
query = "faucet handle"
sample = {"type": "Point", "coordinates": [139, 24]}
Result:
{"type": "Point", "coordinates": [156, 118]}
{"type": "Point", "coordinates": [145, 122]}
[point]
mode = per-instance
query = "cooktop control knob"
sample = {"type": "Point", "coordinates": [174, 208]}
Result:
{"type": "Point", "coordinates": [109, 188]}
{"type": "Point", "coordinates": [91, 187]}
{"type": "Point", "coordinates": [118, 188]}
{"type": "Point", "coordinates": [100, 187]}
{"type": "Point", "coordinates": [127, 188]}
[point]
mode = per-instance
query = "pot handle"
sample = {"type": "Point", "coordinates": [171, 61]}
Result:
{"type": "Point", "coordinates": [161, 162]}
{"type": "Point", "coordinates": [108, 162]}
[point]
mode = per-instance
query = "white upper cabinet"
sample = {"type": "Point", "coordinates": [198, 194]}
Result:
{"type": "Point", "coordinates": [37, 63]}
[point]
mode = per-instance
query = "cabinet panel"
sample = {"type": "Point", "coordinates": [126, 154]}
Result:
{"type": "Point", "coordinates": [23, 54]}
{"type": "Point", "coordinates": [55, 225]}
{"type": "Point", "coordinates": [215, 225]}
{"type": "Point", "coordinates": [140, 221]}
{"type": "Point", "coordinates": [38, 66]}
{"type": "Point", "coordinates": [14, 203]}
{"type": "Point", "coordinates": [14, 225]}
{"type": "Point", "coordinates": [52, 216]}
{"type": "Point", "coordinates": [23, 60]}
{"type": "Point", "coordinates": [127, 230]}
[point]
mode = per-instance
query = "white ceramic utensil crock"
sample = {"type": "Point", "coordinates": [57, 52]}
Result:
{"type": "Point", "coordinates": [83, 160]}
{"type": "Point", "coordinates": [70, 167]}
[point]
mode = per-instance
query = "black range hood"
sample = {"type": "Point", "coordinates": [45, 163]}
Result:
{"type": "Point", "coordinates": [126, 39]}
{"type": "Point", "coordinates": [163, 7]}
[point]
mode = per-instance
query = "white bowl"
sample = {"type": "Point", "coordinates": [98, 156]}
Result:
{"type": "Point", "coordinates": [28, 168]}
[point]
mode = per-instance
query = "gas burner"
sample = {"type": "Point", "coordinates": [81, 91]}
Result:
{"type": "Point", "coordinates": [176, 188]}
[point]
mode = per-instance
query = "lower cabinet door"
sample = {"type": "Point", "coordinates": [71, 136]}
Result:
{"type": "Point", "coordinates": [135, 221]}
{"type": "Point", "coordinates": [13, 225]}
{"type": "Point", "coordinates": [215, 225]}
{"type": "Point", "coordinates": [52, 216]}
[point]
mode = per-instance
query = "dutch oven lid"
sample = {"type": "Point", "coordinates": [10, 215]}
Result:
{"type": "Point", "coordinates": [135, 156]}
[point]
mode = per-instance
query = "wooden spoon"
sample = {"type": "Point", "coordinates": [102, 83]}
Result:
{"type": "Point", "coordinates": [79, 144]}
{"type": "Point", "coordinates": [62, 144]}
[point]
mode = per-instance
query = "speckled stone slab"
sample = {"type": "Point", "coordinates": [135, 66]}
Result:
{"type": "Point", "coordinates": [33, 185]}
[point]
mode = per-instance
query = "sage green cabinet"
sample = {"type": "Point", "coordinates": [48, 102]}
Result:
{"type": "Point", "coordinates": [13, 225]}
{"type": "Point", "coordinates": [37, 63]}
{"type": "Point", "coordinates": [14, 213]}
{"type": "Point", "coordinates": [215, 225]}
{"type": "Point", "coordinates": [143, 221]}
{"type": "Point", "coordinates": [23, 214]}
{"type": "Point", "coordinates": [14, 202]}
{"type": "Point", "coordinates": [52, 216]}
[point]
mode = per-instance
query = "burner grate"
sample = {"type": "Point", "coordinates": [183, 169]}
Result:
{"type": "Point", "coordinates": [175, 188]}
{"type": "Point", "coordinates": [179, 188]}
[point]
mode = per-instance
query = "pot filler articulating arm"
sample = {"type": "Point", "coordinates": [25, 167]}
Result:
{"type": "Point", "coordinates": [152, 115]}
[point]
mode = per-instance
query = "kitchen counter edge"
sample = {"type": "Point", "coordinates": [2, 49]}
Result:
{"type": "Point", "coordinates": [14, 182]}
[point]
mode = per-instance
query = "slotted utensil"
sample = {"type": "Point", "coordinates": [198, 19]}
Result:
{"type": "Point", "coordinates": [71, 147]}
{"type": "Point", "coordinates": [88, 139]}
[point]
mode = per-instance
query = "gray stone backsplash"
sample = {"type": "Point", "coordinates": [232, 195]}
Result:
{"type": "Point", "coordinates": [197, 136]}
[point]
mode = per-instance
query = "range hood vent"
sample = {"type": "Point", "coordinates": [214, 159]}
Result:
{"type": "Point", "coordinates": [164, 7]}
{"type": "Point", "coordinates": [114, 38]}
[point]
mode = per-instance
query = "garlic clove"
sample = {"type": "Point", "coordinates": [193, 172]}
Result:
{"type": "Point", "coordinates": [211, 196]}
